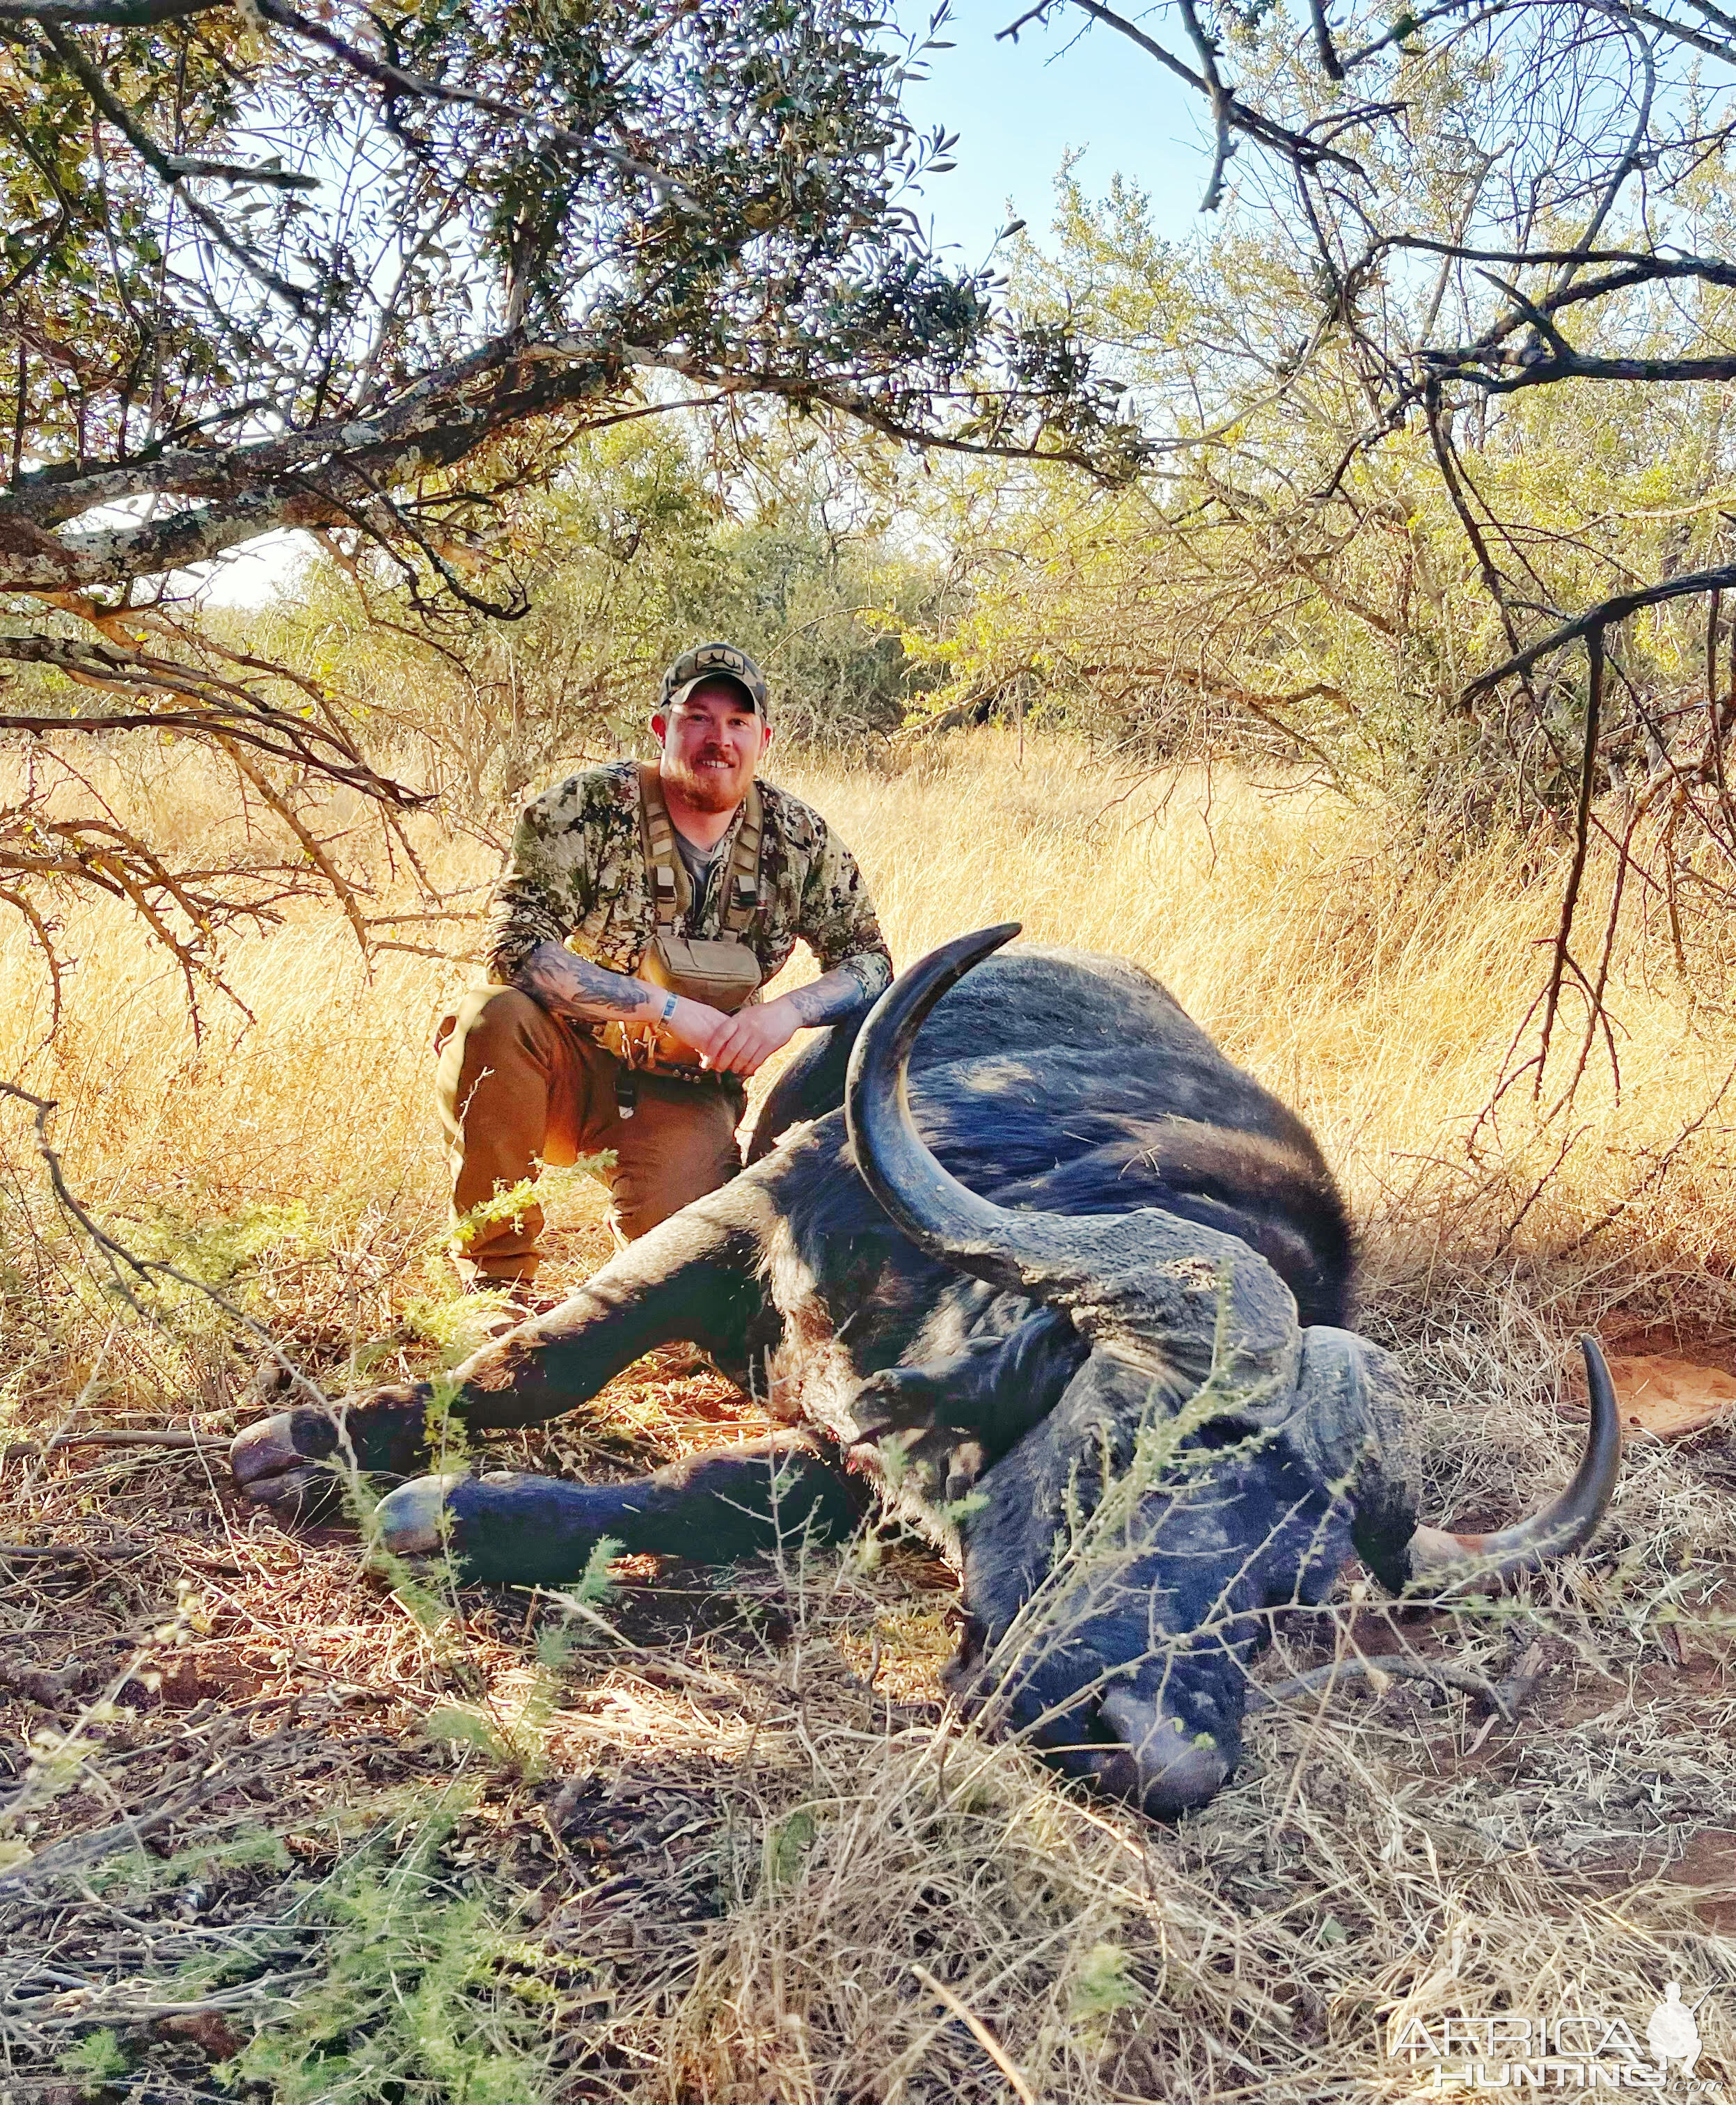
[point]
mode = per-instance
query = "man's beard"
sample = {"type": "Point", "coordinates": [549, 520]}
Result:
{"type": "Point", "coordinates": [705, 790]}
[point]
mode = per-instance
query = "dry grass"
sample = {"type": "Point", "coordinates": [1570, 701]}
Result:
{"type": "Point", "coordinates": [734, 1851]}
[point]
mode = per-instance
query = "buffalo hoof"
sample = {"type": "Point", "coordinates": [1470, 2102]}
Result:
{"type": "Point", "coordinates": [411, 1521]}
{"type": "Point", "coordinates": [287, 1461]}
{"type": "Point", "coordinates": [504, 1529]}
{"type": "Point", "coordinates": [280, 1462]}
{"type": "Point", "coordinates": [1160, 1767]}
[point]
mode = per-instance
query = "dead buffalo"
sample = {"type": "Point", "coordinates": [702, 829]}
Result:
{"type": "Point", "coordinates": [1061, 1285]}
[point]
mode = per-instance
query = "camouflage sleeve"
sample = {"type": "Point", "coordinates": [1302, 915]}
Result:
{"type": "Point", "coordinates": [838, 922]}
{"type": "Point", "coordinates": [541, 894]}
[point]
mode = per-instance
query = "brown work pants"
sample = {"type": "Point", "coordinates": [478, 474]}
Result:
{"type": "Point", "coordinates": [518, 1088]}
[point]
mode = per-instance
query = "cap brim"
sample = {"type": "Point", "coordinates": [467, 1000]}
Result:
{"type": "Point", "coordinates": [677, 695]}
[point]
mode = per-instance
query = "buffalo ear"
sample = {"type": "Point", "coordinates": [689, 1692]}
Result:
{"type": "Point", "coordinates": [1354, 1419]}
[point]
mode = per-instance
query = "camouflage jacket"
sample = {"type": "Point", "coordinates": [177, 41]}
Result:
{"type": "Point", "coordinates": [576, 872]}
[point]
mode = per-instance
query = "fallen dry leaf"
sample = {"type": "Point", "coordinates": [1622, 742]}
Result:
{"type": "Point", "coordinates": [1669, 1397]}
{"type": "Point", "coordinates": [206, 2029]}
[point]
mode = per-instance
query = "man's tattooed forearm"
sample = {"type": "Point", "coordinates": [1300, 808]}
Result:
{"type": "Point", "coordinates": [569, 985]}
{"type": "Point", "coordinates": [828, 1000]}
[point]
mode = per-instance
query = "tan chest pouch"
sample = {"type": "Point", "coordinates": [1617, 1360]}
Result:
{"type": "Point", "coordinates": [722, 975]}
{"type": "Point", "coordinates": [721, 971]}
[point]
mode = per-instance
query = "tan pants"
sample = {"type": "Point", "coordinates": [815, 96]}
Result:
{"type": "Point", "coordinates": [518, 1088]}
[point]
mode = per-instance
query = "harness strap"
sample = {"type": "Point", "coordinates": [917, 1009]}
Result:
{"type": "Point", "coordinates": [671, 891]}
{"type": "Point", "coordinates": [672, 888]}
{"type": "Point", "coordinates": [741, 898]}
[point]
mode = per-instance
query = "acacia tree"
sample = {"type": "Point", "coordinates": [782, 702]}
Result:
{"type": "Point", "coordinates": [635, 552]}
{"type": "Point", "coordinates": [1478, 224]}
{"type": "Point", "coordinates": [366, 272]}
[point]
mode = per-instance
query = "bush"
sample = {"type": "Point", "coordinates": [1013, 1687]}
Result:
{"type": "Point", "coordinates": [625, 562]}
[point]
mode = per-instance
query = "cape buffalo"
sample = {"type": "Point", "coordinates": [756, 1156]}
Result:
{"type": "Point", "coordinates": [1065, 1287]}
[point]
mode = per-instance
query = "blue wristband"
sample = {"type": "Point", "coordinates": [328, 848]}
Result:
{"type": "Point", "coordinates": [668, 1010]}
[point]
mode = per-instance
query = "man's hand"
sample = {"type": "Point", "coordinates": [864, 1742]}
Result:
{"type": "Point", "coordinates": [738, 1044]}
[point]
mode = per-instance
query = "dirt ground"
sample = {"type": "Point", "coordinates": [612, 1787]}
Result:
{"type": "Point", "coordinates": [646, 1824]}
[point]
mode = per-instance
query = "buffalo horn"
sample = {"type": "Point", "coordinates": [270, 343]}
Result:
{"type": "Point", "coordinates": [939, 1214]}
{"type": "Point", "coordinates": [1440, 1561]}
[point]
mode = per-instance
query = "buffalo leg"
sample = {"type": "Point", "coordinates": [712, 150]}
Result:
{"type": "Point", "coordinates": [692, 1278]}
{"type": "Point", "coordinates": [716, 1508]}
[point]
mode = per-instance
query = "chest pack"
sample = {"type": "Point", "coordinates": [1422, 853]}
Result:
{"type": "Point", "coordinates": [720, 971]}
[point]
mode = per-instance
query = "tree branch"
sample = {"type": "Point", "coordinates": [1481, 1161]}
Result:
{"type": "Point", "coordinates": [398, 81]}
{"type": "Point", "coordinates": [106, 13]}
{"type": "Point", "coordinates": [1581, 841]}
{"type": "Point", "coordinates": [66, 48]}
{"type": "Point", "coordinates": [1331, 65]}
{"type": "Point", "coordinates": [223, 707]}
{"type": "Point", "coordinates": [1205, 51]}
{"type": "Point", "coordinates": [1294, 145]}
{"type": "Point", "coordinates": [1616, 609]}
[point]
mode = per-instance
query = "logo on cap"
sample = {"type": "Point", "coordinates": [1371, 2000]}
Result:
{"type": "Point", "coordinates": [706, 661]}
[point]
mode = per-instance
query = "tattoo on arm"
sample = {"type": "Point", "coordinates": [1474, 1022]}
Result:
{"type": "Point", "coordinates": [828, 1000]}
{"type": "Point", "coordinates": [572, 986]}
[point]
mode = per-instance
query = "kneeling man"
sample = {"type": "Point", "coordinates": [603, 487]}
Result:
{"type": "Point", "coordinates": [680, 886]}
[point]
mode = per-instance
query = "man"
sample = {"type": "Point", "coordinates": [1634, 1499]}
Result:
{"type": "Point", "coordinates": [524, 1077]}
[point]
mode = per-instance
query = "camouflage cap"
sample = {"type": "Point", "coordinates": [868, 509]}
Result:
{"type": "Point", "coordinates": [711, 661]}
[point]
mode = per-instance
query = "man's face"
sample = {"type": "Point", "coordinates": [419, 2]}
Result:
{"type": "Point", "coordinates": [711, 744]}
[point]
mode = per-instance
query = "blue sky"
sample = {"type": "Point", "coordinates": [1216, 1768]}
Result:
{"type": "Point", "coordinates": [1018, 108]}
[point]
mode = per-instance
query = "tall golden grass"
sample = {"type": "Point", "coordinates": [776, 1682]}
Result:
{"type": "Point", "coordinates": [1373, 1860]}
{"type": "Point", "coordinates": [1383, 993]}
